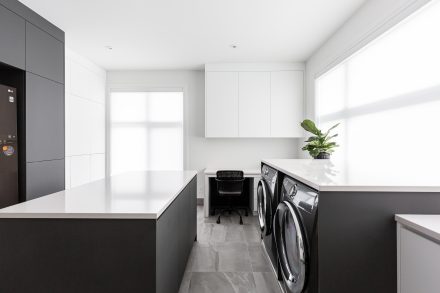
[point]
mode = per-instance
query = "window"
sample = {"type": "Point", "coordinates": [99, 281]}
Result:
{"type": "Point", "coordinates": [146, 131]}
{"type": "Point", "coordinates": [387, 96]}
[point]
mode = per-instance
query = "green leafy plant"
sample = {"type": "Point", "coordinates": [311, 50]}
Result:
{"type": "Point", "coordinates": [319, 143]}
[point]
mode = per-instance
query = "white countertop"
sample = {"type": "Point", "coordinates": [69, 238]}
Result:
{"type": "Point", "coordinates": [329, 175]}
{"type": "Point", "coordinates": [428, 225]}
{"type": "Point", "coordinates": [134, 195]}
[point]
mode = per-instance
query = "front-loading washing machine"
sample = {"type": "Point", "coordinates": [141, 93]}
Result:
{"type": "Point", "coordinates": [267, 201]}
{"type": "Point", "coordinates": [296, 238]}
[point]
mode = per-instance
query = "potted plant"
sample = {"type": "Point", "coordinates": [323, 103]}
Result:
{"type": "Point", "coordinates": [319, 145]}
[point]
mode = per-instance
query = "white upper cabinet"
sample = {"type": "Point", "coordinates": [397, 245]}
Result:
{"type": "Point", "coordinates": [222, 104]}
{"type": "Point", "coordinates": [253, 104]}
{"type": "Point", "coordinates": [254, 100]}
{"type": "Point", "coordinates": [287, 103]}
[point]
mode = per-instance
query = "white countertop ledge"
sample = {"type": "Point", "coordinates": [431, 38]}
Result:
{"type": "Point", "coordinates": [361, 176]}
{"type": "Point", "coordinates": [427, 225]}
{"type": "Point", "coordinates": [133, 195]}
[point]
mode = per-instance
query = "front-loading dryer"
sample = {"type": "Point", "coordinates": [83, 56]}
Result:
{"type": "Point", "coordinates": [267, 201]}
{"type": "Point", "coordinates": [295, 236]}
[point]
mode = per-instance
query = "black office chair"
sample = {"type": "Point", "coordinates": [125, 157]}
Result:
{"type": "Point", "coordinates": [230, 184]}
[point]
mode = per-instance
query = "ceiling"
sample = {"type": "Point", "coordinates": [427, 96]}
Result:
{"type": "Point", "coordinates": [186, 34]}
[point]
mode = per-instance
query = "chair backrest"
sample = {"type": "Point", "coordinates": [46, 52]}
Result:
{"type": "Point", "coordinates": [230, 182]}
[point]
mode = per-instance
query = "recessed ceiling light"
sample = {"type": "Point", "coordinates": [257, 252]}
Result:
{"type": "Point", "coordinates": [234, 46]}
{"type": "Point", "coordinates": [109, 47]}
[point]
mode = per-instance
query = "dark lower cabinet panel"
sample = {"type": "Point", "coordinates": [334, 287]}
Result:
{"type": "Point", "coordinates": [44, 119]}
{"type": "Point", "coordinates": [12, 39]}
{"type": "Point", "coordinates": [357, 238]}
{"type": "Point", "coordinates": [77, 256]}
{"type": "Point", "coordinates": [44, 54]}
{"type": "Point", "coordinates": [44, 178]}
{"type": "Point", "coordinates": [176, 232]}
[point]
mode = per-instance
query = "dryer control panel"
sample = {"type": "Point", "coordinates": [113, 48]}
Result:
{"type": "Point", "coordinates": [301, 195]}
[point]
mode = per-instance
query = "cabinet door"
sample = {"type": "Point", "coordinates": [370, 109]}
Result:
{"type": "Point", "coordinates": [287, 103]}
{"type": "Point", "coordinates": [254, 104]}
{"type": "Point", "coordinates": [419, 263]}
{"type": "Point", "coordinates": [43, 178]}
{"type": "Point", "coordinates": [222, 104]}
{"type": "Point", "coordinates": [12, 39]}
{"type": "Point", "coordinates": [44, 119]}
{"type": "Point", "coordinates": [44, 54]}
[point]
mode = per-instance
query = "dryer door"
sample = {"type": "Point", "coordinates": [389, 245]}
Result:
{"type": "Point", "coordinates": [291, 247]}
{"type": "Point", "coordinates": [264, 207]}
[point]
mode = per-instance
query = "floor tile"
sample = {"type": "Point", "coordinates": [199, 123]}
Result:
{"type": "Point", "coordinates": [228, 258]}
{"type": "Point", "coordinates": [259, 260]}
{"type": "Point", "coordinates": [233, 257]}
{"type": "Point", "coordinates": [222, 283]}
{"type": "Point", "coordinates": [184, 285]}
{"type": "Point", "coordinates": [266, 283]}
{"type": "Point", "coordinates": [235, 233]}
{"type": "Point", "coordinates": [251, 233]}
{"type": "Point", "coordinates": [210, 233]}
{"type": "Point", "coordinates": [203, 258]}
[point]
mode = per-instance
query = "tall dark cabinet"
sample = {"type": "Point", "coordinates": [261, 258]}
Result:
{"type": "Point", "coordinates": [32, 61]}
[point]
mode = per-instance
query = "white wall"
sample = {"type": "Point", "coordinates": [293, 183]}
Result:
{"type": "Point", "coordinates": [201, 152]}
{"type": "Point", "coordinates": [370, 21]}
{"type": "Point", "coordinates": [85, 120]}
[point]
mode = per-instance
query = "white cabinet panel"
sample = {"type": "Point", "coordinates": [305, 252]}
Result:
{"type": "Point", "coordinates": [254, 100]}
{"type": "Point", "coordinates": [67, 78]}
{"type": "Point", "coordinates": [86, 134]}
{"type": "Point", "coordinates": [86, 84]}
{"type": "Point", "coordinates": [68, 122]}
{"type": "Point", "coordinates": [222, 104]}
{"type": "Point", "coordinates": [80, 130]}
{"type": "Point", "coordinates": [287, 103]}
{"type": "Point", "coordinates": [67, 173]}
{"type": "Point", "coordinates": [97, 167]}
{"type": "Point", "coordinates": [419, 264]}
{"type": "Point", "coordinates": [79, 170]}
{"type": "Point", "coordinates": [97, 128]}
{"type": "Point", "coordinates": [254, 104]}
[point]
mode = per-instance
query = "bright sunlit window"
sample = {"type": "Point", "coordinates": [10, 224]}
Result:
{"type": "Point", "coordinates": [387, 96]}
{"type": "Point", "coordinates": [146, 131]}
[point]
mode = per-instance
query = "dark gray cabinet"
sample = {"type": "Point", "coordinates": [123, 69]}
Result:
{"type": "Point", "coordinates": [44, 54]}
{"type": "Point", "coordinates": [12, 39]}
{"type": "Point", "coordinates": [44, 119]}
{"type": "Point", "coordinates": [32, 60]}
{"type": "Point", "coordinates": [176, 230]}
{"type": "Point", "coordinates": [108, 255]}
{"type": "Point", "coordinates": [32, 17]}
{"type": "Point", "coordinates": [44, 178]}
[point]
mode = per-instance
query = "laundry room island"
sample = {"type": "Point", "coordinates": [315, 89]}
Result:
{"type": "Point", "coordinates": [344, 216]}
{"type": "Point", "coordinates": [126, 233]}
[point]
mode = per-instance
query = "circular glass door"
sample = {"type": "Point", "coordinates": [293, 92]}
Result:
{"type": "Point", "coordinates": [291, 247]}
{"type": "Point", "coordinates": [264, 208]}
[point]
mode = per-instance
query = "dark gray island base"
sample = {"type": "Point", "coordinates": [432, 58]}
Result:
{"type": "Point", "coordinates": [357, 244]}
{"type": "Point", "coordinates": [99, 254]}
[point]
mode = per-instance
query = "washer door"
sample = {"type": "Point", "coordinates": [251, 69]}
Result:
{"type": "Point", "coordinates": [264, 207]}
{"type": "Point", "coordinates": [291, 247]}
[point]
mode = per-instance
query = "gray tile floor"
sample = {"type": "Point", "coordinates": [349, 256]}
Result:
{"type": "Point", "coordinates": [228, 258]}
